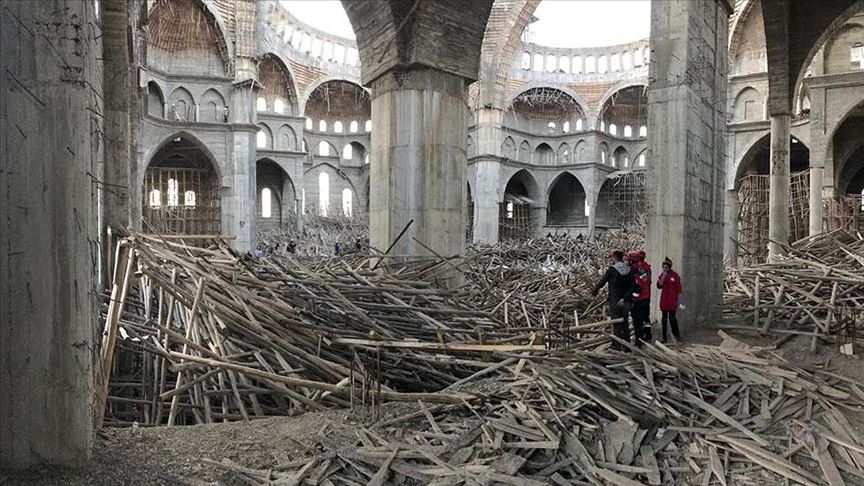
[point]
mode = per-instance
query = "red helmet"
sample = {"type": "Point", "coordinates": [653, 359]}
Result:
{"type": "Point", "coordinates": [633, 256]}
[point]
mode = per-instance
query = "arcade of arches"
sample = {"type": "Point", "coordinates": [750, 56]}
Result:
{"type": "Point", "coordinates": [230, 117]}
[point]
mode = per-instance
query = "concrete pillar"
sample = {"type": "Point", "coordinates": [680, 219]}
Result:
{"type": "Point", "coordinates": [821, 170]}
{"type": "Point", "coordinates": [592, 218]}
{"type": "Point", "coordinates": [419, 120]}
{"type": "Point", "coordinates": [489, 135]}
{"type": "Point", "coordinates": [488, 192]}
{"type": "Point", "coordinates": [239, 173]}
{"type": "Point", "coordinates": [817, 200]}
{"type": "Point", "coordinates": [778, 194]}
{"type": "Point", "coordinates": [730, 228]}
{"type": "Point", "coordinates": [50, 133]}
{"type": "Point", "coordinates": [298, 211]}
{"type": "Point", "coordinates": [686, 124]}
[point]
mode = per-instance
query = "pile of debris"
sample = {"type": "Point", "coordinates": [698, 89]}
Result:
{"type": "Point", "coordinates": [544, 282]}
{"type": "Point", "coordinates": [816, 289]}
{"type": "Point", "coordinates": [319, 236]}
{"type": "Point", "coordinates": [700, 415]}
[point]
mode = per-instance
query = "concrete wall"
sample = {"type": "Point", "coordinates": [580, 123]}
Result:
{"type": "Point", "coordinates": [50, 114]}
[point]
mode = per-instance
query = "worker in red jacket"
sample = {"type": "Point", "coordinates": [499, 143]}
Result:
{"type": "Point", "coordinates": [641, 309]}
{"type": "Point", "coordinates": [670, 285]}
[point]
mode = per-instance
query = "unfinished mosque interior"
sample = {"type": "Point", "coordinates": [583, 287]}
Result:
{"type": "Point", "coordinates": [736, 127]}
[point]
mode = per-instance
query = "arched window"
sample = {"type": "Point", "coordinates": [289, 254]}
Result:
{"type": "Point", "coordinates": [643, 131]}
{"type": "Point", "coordinates": [323, 148]}
{"type": "Point", "coordinates": [626, 61]}
{"type": "Point", "coordinates": [538, 62]}
{"type": "Point", "coordinates": [322, 126]}
{"type": "Point", "coordinates": [366, 160]}
{"type": "Point", "coordinates": [306, 43]}
{"type": "Point", "coordinates": [626, 161]}
{"type": "Point", "coordinates": [261, 139]}
{"type": "Point", "coordinates": [339, 53]}
{"type": "Point", "coordinates": [296, 37]}
{"type": "Point", "coordinates": [566, 127]}
{"type": "Point", "coordinates": [266, 203]}
{"type": "Point", "coordinates": [526, 61]}
{"type": "Point", "coordinates": [579, 125]}
{"type": "Point", "coordinates": [261, 104]}
{"type": "Point", "coordinates": [327, 53]}
{"type": "Point", "coordinates": [637, 57]}
{"type": "Point", "coordinates": [642, 159]}
{"type": "Point", "coordinates": [564, 64]}
{"type": "Point", "coordinates": [347, 202]}
{"type": "Point", "coordinates": [354, 126]}
{"type": "Point", "coordinates": [309, 124]}
{"type": "Point", "coordinates": [368, 125]}
{"type": "Point", "coordinates": [348, 152]}
{"type": "Point", "coordinates": [615, 62]}
{"type": "Point", "coordinates": [278, 106]}
{"type": "Point", "coordinates": [587, 208]}
{"type": "Point", "coordinates": [173, 195]}
{"type": "Point", "coordinates": [189, 198]}
{"type": "Point", "coordinates": [323, 193]}
{"type": "Point", "coordinates": [590, 64]}
{"type": "Point", "coordinates": [603, 157]}
{"type": "Point", "coordinates": [602, 126]}
{"type": "Point", "coordinates": [316, 47]}
{"type": "Point", "coordinates": [337, 127]}
{"type": "Point", "coordinates": [577, 65]}
{"type": "Point", "coordinates": [628, 131]}
{"type": "Point", "coordinates": [551, 126]}
{"type": "Point", "coordinates": [602, 65]}
{"type": "Point", "coordinates": [613, 129]}
{"type": "Point", "coordinates": [155, 199]}
{"type": "Point", "coordinates": [550, 63]}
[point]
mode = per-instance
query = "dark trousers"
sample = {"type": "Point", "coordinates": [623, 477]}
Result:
{"type": "Point", "coordinates": [621, 330]}
{"type": "Point", "coordinates": [641, 313]}
{"type": "Point", "coordinates": [670, 317]}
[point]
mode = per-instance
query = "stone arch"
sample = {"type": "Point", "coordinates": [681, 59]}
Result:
{"type": "Point", "coordinates": [508, 148]}
{"type": "Point", "coordinates": [580, 151]}
{"type": "Point", "coordinates": [566, 201]}
{"type": "Point", "coordinates": [357, 152]}
{"type": "Point", "coordinates": [181, 172]}
{"type": "Point", "coordinates": [564, 155]}
{"type": "Point", "coordinates": [621, 158]}
{"type": "Point", "coordinates": [756, 159]}
{"type": "Point", "coordinates": [625, 104]}
{"type": "Point", "coordinates": [748, 105]}
{"type": "Point", "coordinates": [578, 99]}
{"type": "Point", "coordinates": [271, 175]}
{"type": "Point", "coordinates": [543, 154]}
{"type": "Point", "coordinates": [181, 105]}
{"type": "Point", "coordinates": [212, 108]}
{"type": "Point", "coordinates": [268, 142]}
{"type": "Point", "coordinates": [604, 153]}
{"type": "Point", "coordinates": [171, 46]}
{"type": "Point", "coordinates": [314, 85]}
{"type": "Point", "coordinates": [524, 152]}
{"type": "Point", "coordinates": [155, 100]}
{"type": "Point", "coordinates": [278, 82]}
{"type": "Point", "coordinates": [287, 139]}
{"type": "Point", "coordinates": [515, 215]}
{"type": "Point", "coordinates": [541, 110]}
{"type": "Point", "coordinates": [838, 46]}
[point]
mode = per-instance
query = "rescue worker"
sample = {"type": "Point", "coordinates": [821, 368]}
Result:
{"type": "Point", "coordinates": [670, 284]}
{"type": "Point", "coordinates": [641, 309]}
{"type": "Point", "coordinates": [621, 288]}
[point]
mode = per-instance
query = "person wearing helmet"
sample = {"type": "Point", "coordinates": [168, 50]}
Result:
{"type": "Point", "coordinates": [621, 288]}
{"type": "Point", "coordinates": [670, 284]}
{"type": "Point", "coordinates": [641, 308]}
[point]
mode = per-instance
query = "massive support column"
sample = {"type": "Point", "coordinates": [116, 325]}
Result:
{"type": "Point", "coordinates": [488, 192]}
{"type": "Point", "coordinates": [238, 204]}
{"type": "Point", "coordinates": [419, 119]}
{"type": "Point", "coordinates": [778, 194]}
{"type": "Point", "coordinates": [730, 228]}
{"type": "Point", "coordinates": [50, 131]}
{"type": "Point", "coordinates": [686, 126]}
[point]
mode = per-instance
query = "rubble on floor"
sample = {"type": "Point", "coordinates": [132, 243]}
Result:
{"type": "Point", "coordinates": [499, 384]}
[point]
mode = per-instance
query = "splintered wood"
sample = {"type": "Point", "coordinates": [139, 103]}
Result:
{"type": "Point", "coordinates": [816, 289]}
{"type": "Point", "coordinates": [206, 335]}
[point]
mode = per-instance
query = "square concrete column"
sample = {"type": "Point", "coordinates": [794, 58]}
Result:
{"type": "Point", "coordinates": [730, 228]}
{"type": "Point", "coordinates": [419, 120]}
{"type": "Point", "coordinates": [686, 124]}
{"type": "Point", "coordinates": [778, 191]}
{"type": "Point", "coordinates": [50, 125]}
{"type": "Point", "coordinates": [487, 192]}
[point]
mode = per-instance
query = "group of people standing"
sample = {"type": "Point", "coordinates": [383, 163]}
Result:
{"type": "Point", "coordinates": [629, 281]}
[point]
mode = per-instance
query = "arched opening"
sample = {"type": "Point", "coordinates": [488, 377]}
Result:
{"type": "Point", "coordinates": [264, 138]}
{"type": "Point", "coordinates": [604, 153]}
{"type": "Point", "coordinates": [628, 106]}
{"type": "Point", "coordinates": [514, 213]}
{"type": "Point", "coordinates": [326, 149]}
{"type": "Point", "coordinates": [278, 91]}
{"type": "Point", "coordinates": [354, 154]}
{"type": "Point", "coordinates": [621, 201]}
{"type": "Point", "coordinates": [748, 106]}
{"type": "Point", "coordinates": [213, 108]}
{"type": "Point", "coordinates": [508, 148]}
{"type": "Point", "coordinates": [752, 179]}
{"type": "Point", "coordinates": [172, 49]}
{"type": "Point", "coordinates": [323, 193]}
{"type": "Point", "coordinates": [540, 110]}
{"type": "Point", "coordinates": [275, 195]}
{"type": "Point", "coordinates": [287, 140]}
{"type": "Point", "coordinates": [181, 105]}
{"type": "Point", "coordinates": [566, 202]}
{"type": "Point", "coordinates": [354, 126]}
{"type": "Point", "coordinates": [337, 100]}
{"type": "Point", "coordinates": [181, 190]}
{"type": "Point", "coordinates": [155, 100]}
{"type": "Point", "coordinates": [564, 156]}
{"type": "Point", "coordinates": [524, 152]}
{"type": "Point", "coordinates": [347, 202]}
{"type": "Point", "coordinates": [544, 155]}
{"type": "Point", "coordinates": [621, 158]}
{"type": "Point", "coordinates": [846, 209]}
